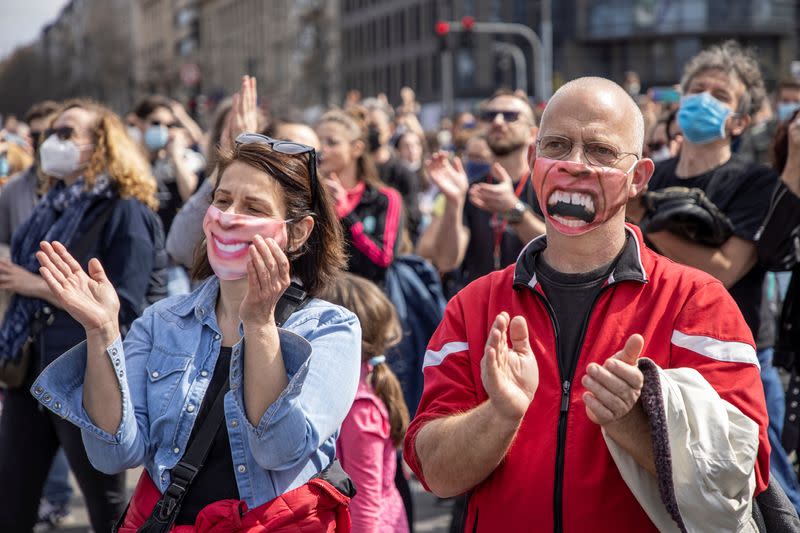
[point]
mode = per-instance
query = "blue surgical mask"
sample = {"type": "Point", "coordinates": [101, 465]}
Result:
{"type": "Point", "coordinates": [477, 169]}
{"type": "Point", "coordinates": [156, 137]}
{"type": "Point", "coordinates": [786, 110]}
{"type": "Point", "coordinates": [5, 168]}
{"type": "Point", "coordinates": [702, 118]}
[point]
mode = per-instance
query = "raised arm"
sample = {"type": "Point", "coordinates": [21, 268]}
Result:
{"type": "Point", "coordinates": [92, 301]}
{"type": "Point", "coordinates": [445, 240]}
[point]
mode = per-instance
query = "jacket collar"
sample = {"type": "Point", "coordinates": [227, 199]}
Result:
{"type": "Point", "coordinates": [202, 301]}
{"type": "Point", "coordinates": [630, 266]}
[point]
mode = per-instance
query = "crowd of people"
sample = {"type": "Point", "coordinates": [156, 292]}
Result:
{"type": "Point", "coordinates": [567, 317]}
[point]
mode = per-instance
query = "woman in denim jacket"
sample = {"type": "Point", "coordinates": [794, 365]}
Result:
{"type": "Point", "coordinates": [99, 202]}
{"type": "Point", "coordinates": [137, 401]}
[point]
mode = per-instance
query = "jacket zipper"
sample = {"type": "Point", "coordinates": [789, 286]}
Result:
{"type": "Point", "coordinates": [566, 385]}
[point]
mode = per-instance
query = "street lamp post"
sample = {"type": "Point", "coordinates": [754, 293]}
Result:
{"type": "Point", "coordinates": [543, 64]}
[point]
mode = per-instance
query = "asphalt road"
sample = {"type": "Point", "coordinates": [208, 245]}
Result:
{"type": "Point", "coordinates": [432, 515]}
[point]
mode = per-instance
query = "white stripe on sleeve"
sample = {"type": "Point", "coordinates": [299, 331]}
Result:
{"type": "Point", "coordinates": [729, 351]}
{"type": "Point", "coordinates": [435, 358]}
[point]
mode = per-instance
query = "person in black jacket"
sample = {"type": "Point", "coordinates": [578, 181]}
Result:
{"type": "Point", "coordinates": [100, 202]}
{"type": "Point", "coordinates": [779, 249]}
{"type": "Point", "coordinates": [371, 213]}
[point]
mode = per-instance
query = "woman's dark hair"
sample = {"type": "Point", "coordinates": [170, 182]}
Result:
{"type": "Point", "coordinates": [320, 259]}
{"type": "Point", "coordinates": [380, 330]}
{"type": "Point", "coordinates": [779, 150]}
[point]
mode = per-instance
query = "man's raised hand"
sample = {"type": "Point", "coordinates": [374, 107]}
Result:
{"type": "Point", "coordinates": [510, 375]}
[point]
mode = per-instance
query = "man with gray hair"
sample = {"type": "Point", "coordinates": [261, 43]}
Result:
{"type": "Point", "coordinates": [624, 393]}
{"type": "Point", "coordinates": [722, 90]}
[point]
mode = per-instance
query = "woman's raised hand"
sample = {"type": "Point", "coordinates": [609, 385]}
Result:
{"type": "Point", "coordinates": [90, 299]}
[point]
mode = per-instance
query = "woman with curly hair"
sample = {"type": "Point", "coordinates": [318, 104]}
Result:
{"type": "Point", "coordinates": [99, 201]}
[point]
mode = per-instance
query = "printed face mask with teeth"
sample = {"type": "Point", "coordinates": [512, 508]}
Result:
{"type": "Point", "coordinates": [229, 236]}
{"type": "Point", "coordinates": [577, 198]}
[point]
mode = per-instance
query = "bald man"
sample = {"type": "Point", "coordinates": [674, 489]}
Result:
{"type": "Point", "coordinates": [593, 385]}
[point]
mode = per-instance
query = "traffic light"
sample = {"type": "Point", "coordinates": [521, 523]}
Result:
{"type": "Point", "coordinates": [467, 40]}
{"type": "Point", "coordinates": [442, 30]}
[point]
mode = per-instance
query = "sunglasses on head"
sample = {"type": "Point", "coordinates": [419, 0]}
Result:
{"type": "Point", "coordinates": [63, 133]}
{"type": "Point", "coordinates": [488, 115]}
{"type": "Point", "coordinates": [288, 148]}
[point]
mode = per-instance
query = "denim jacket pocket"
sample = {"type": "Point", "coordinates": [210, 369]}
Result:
{"type": "Point", "coordinates": [165, 371]}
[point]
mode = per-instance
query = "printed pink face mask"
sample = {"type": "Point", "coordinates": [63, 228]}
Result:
{"type": "Point", "coordinates": [577, 198]}
{"type": "Point", "coordinates": [229, 236]}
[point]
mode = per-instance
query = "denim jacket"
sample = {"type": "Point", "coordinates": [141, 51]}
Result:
{"type": "Point", "coordinates": [164, 367]}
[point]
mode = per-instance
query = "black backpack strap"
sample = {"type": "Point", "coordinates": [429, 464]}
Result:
{"type": "Point", "coordinates": [293, 299]}
{"type": "Point", "coordinates": [182, 474]}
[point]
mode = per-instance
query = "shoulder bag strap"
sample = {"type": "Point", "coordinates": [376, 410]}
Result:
{"type": "Point", "coordinates": [182, 474]}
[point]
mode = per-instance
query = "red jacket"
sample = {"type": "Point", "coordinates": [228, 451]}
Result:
{"type": "Point", "coordinates": [687, 319]}
{"type": "Point", "coordinates": [316, 507]}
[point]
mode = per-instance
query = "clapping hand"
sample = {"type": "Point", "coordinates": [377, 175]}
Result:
{"type": "Point", "coordinates": [243, 116]}
{"type": "Point", "coordinates": [510, 376]}
{"type": "Point", "coordinates": [449, 178]}
{"type": "Point", "coordinates": [614, 387]}
{"type": "Point", "coordinates": [89, 298]}
{"type": "Point", "coordinates": [498, 197]}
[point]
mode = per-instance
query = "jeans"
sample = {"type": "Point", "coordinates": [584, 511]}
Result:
{"type": "Point", "coordinates": [57, 489]}
{"type": "Point", "coordinates": [779, 466]}
{"type": "Point", "coordinates": [29, 439]}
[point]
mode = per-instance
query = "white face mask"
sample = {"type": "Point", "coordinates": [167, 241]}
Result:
{"type": "Point", "coordinates": [59, 158]}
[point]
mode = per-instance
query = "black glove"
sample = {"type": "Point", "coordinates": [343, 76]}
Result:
{"type": "Point", "coordinates": [685, 212]}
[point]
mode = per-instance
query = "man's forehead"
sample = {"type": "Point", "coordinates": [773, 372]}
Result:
{"type": "Point", "coordinates": [509, 103]}
{"type": "Point", "coordinates": [720, 80]}
{"type": "Point", "coordinates": [596, 115]}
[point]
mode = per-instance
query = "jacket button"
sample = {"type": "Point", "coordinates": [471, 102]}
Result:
{"type": "Point", "coordinates": [217, 337]}
{"type": "Point", "coordinates": [242, 469]}
{"type": "Point", "coordinates": [116, 362]}
{"type": "Point", "coordinates": [38, 390]}
{"type": "Point", "coordinates": [47, 398]}
{"type": "Point", "coordinates": [234, 423]}
{"type": "Point", "coordinates": [176, 450]}
{"type": "Point", "coordinates": [155, 374]}
{"type": "Point", "coordinates": [204, 373]}
{"type": "Point", "coordinates": [190, 408]}
{"type": "Point", "coordinates": [57, 405]}
{"type": "Point", "coordinates": [113, 351]}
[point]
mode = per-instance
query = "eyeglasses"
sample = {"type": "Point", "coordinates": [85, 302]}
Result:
{"type": "Point", "coordinates": [489, 115]}
{"type": "Point", "coordinates": [63, 133]}
{"type": "Point", "coordinates": [288, 148]}
{"type": "Point", "coordinates": [596, 153]}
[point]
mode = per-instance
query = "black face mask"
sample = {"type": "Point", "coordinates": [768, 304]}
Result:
{"type": "Point", "coordinates": [373, 138]}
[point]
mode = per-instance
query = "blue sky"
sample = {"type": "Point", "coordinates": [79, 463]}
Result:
{"type": "Point", "coordinates": [22, 20]}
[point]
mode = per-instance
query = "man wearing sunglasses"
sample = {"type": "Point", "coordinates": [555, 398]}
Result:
{"type": "Point", "coordinates": [491, 209]}
{"type": "Point", "coordinates": [593, 385]}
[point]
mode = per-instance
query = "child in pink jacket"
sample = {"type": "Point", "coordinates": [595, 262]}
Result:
{"type": "Point", "coordinates": [376, 424]}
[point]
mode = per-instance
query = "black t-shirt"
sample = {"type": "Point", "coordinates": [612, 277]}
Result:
{"type": "Point", "coordinates": [216, 480]}
{"type": "Point", "coordinates": [479, 258]}
{"type": "Point", "coordinates": [571, 296]}
{"type": "Point", "coordinates": [742, 191]}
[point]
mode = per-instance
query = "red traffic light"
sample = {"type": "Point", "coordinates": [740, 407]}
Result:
{"type": "Point", "coordinates": [468, 22]}
{"type": "Point", "coordinates": [442, 28]}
